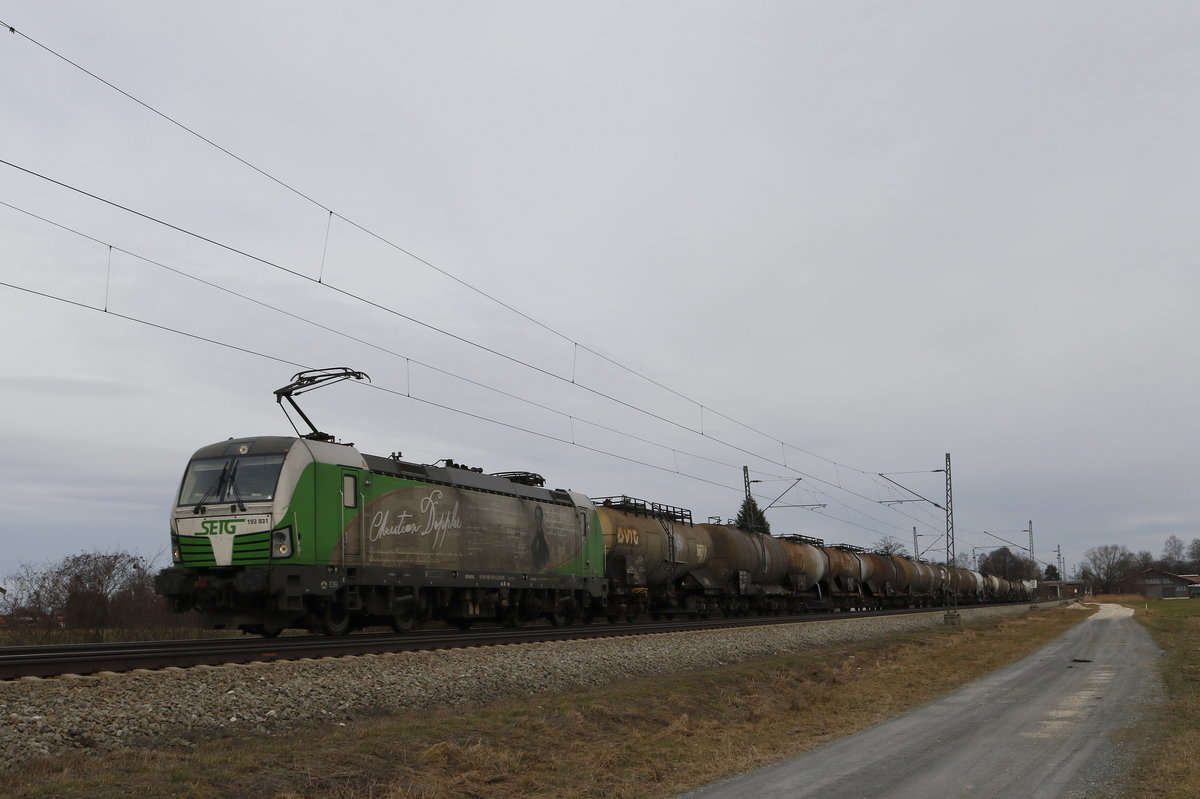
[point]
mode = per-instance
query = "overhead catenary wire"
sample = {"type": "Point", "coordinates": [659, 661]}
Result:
{"type": "Point", "coordinates": [346, 293]}
{"type": "Point", "coordinates": [445, 273]}
{"type": "Point", "coordinates": [572, 379]}
{"type": "Point", "coordinates": [305, 320]}
{"type": "Point", "coordinates": [409, 361]}
{"type": "Point", "coordinates": [434, 328]}
{"type": "Point", "coordinates": [407, 395]}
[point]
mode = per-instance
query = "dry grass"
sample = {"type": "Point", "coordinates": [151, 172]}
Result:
{"type": "Point", "coordinates": [1168, 768]}
{"type": "Point", "coordinates": [641, 738]}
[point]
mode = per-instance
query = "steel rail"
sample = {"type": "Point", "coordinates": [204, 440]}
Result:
{"type": "Point", "coordinates": [56, 660]}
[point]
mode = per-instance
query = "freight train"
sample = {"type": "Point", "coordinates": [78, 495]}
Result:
{"type": "Point", "coordinates": [276, 532]}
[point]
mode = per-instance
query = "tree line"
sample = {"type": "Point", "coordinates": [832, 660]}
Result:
{"type": "Point", "coordinates": [86, 597]}
{"type": "Point", "coordinates": [1107, 568]}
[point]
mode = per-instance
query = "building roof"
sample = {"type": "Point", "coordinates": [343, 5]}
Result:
{"type": "Point", "coordinates": [1185, 579]}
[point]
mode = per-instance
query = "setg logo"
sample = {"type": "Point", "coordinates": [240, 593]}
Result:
{"type": "Point", "coordinates": [220, 526]}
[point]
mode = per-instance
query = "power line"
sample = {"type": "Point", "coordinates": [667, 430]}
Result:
{"type": "Point", "coordinates": [320, 280]}
{"type": "Point", "coordinates": [405, 394]}
{"type": "Point", "coordinates": [300, 318]}
{"type": "Point", "coordinates": [350, 295]}
{"type": "Point", "coordinates": [408, 395]}
{"type": "Point", "coordinates": [434, 328]}
{"type": "Point", "coordinates": [445, 273]}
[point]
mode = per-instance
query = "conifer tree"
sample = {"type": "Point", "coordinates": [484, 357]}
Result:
{"type": "Point", "coordinates": [751, 518]}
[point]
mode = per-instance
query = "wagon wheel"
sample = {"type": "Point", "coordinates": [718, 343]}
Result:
{"type": "Point", "coordinates": [405, 621]}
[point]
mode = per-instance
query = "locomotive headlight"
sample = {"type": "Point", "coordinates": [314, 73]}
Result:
{"type": "Point", "coordinates": [176, 554]}
{"type": "Point", "coordinates": [281, 543]}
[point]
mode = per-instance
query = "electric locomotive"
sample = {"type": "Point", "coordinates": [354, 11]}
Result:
{"type": "Point", "coordinates": [275, 532]}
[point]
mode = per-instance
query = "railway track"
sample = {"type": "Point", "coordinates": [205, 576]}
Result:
{"type": "Point", "coordinates": [55, 660]}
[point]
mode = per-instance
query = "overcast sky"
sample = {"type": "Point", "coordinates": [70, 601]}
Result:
{"type": "Point", "coordinates": [823, 240]}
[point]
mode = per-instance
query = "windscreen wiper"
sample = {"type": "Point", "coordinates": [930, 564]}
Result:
{"type": "Point", "coordinates": [233, 485]}
{"type": "Point", "coordinates": [215, 488]}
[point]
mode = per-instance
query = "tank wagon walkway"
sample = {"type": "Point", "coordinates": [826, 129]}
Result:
{"type": "Point", "coordinates": [1036, 728]}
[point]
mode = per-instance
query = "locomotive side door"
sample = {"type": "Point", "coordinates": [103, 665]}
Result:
{"type": "Point", "coordinates": [352, 518]}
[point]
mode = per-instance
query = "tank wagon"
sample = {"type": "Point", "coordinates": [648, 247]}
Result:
{"type": "Point", "coordinates": [275, 532]}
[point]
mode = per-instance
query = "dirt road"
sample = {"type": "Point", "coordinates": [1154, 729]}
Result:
{"type": "Point", "coordinates": [1036, 728]}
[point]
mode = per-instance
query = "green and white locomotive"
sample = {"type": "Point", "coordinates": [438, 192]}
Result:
{"type": "Point", "coordinates": [275, 532]}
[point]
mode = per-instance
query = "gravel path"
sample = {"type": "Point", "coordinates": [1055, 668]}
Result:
{"type": "Point", "coordinates": [171, 706]}
{"type": "Point", "coordinates": [1038, 728]}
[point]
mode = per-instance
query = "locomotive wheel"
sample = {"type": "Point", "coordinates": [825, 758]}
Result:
{"type": "Point", "coordinates": [564, 612]}
{"type": "Point", "coordinates": [460, 624]}
{"type": "Point", "coordinates": [335, 619]}
{"type": "Point", "coordinates": [269, 632]}
{"type": "Point", "coordinates": [560, 616]}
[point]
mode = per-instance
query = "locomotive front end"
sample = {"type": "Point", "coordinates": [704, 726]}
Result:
{"type": "Point", "coordinates": [225, 510]}
{"type": "Point", "coordinates": [227, 530]}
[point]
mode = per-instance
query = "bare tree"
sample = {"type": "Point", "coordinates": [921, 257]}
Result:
{"type": "Point", "coordinates": [1193, 556]}
{"type": "Point", "coordinates": [1106, 567]}
{"type": "Point", "coordinates": [890, 545]}
{"type": "Point", "coordinates": [90, 594]}
{"type": "Point", "coordinates": [1172, 558]}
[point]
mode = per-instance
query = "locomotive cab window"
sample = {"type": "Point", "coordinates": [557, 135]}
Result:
{"type": "Point", "coordinates": [349, 490]}
{"type": "Point", "coordinates": [246, 478]}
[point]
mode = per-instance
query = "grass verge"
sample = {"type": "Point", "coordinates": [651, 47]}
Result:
{"type": "Point", "coordinates": [1168, 738]}
{"type": "Point", "coordinates": [652, 737]}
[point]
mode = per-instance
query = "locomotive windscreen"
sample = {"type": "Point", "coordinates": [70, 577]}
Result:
{"type": "Point", "coordinates": [244, 478]}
